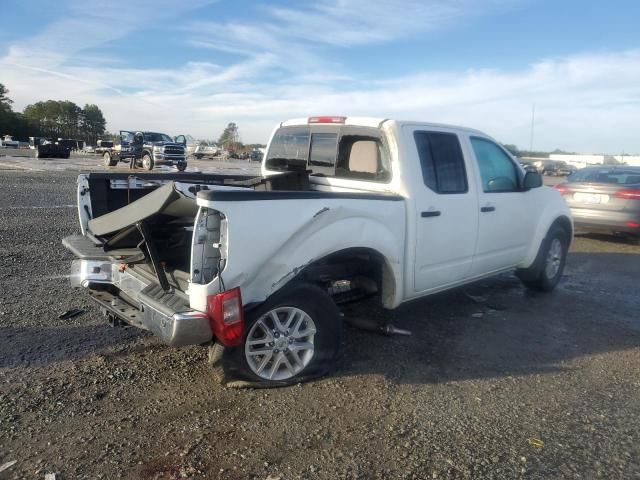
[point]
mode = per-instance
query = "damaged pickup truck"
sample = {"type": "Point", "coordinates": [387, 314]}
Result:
{"type": "Point", "coordinates": [345, 209]}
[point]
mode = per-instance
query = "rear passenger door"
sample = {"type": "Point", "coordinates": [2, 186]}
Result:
{"type": "Point", "coordinates": [446, 211]}
{"type": "Point", "coordinates": [506, 226]}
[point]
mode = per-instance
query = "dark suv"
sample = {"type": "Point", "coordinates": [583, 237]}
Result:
{"type": "Point", "coordinates": [148, 149]}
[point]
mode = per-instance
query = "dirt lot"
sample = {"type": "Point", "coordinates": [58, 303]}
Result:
{"type": "Point", "coordinates": [509, 385]}
{"type": "Point", "coordinates": [24, 160]}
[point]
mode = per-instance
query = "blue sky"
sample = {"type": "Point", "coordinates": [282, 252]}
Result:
{"type": "Point", "coordinates": [192, 66]}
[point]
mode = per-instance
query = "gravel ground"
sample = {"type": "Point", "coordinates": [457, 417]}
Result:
{"type": "Point", "coordinates": [503, 384]}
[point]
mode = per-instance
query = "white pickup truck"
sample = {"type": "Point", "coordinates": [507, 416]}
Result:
{"type": "Point", "coordinates": [345, 208]}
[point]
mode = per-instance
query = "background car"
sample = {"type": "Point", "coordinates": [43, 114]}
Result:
{"type": "Point", "coordinates": [255, 156]}
{"type": "Point", "coordinates": [604, 199]}
{"type": "Point", "coordinates": [554, 167]}
{"type": "Point", "coordinates": [206, 151]}
{"type": "Point", "coordinates": [563, 168]}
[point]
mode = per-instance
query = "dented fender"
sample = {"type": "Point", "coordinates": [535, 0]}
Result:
{"type": "Point", "coordinates": [270, 242]}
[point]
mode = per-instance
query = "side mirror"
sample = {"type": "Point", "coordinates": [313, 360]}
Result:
{"type": "Point", "coordinates": [531, 180]}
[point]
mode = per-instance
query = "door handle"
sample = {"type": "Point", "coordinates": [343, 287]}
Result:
{"type": "Point", "coordinates": [431, 213]}
{"type": "Point", "coordinates": [487, 209]}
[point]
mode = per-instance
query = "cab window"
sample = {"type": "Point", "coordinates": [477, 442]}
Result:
{"type": "Point", "coordinates": [341, 152]}
{"type": "Point", "coordinates": [497, 170]}
{"type": "Point", "coordinates": [442, 162]}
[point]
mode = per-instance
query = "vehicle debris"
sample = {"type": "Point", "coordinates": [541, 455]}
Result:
{"type": "Point", "coordinates": [74, 312]}
{"type": "Point", "coordinates": [535, 442]}
{"type": "Point", "coordinates": [372, 325]}
{"type": "Point", "coordinates": [7, 465]}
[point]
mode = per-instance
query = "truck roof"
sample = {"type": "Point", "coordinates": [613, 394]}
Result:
{"type": "Point", "coordinates": [375, 122]}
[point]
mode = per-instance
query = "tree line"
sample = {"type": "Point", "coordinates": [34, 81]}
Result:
{"type": "Point", "coordinates": [51, 119]}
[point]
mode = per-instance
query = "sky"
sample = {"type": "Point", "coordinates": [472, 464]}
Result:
{"type": "Point", "coordinates": [190, 67]}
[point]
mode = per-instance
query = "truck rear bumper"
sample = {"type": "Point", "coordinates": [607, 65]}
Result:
{"type": "Point", "coordinates": [184, 328]}
{"type": "Point", "coordinates": [140, 304]}
{"type": "Point", "coordinates": [596, 220]}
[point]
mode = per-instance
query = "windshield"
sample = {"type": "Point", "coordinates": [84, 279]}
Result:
{"type": "Point", "coordinates": [606, 175]}
{"type": "Point", "coordinates": [157, 137]}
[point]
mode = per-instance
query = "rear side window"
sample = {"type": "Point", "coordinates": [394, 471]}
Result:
{"type": "Point", "coordinates": [497, 170]}
{"type": "Point", "coordinates": [442, 162]}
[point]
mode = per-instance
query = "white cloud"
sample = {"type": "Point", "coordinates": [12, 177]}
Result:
{"type": "Point", "coordinates": [585, 102]}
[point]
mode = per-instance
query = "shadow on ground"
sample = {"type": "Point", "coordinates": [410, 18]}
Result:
{"type": "Point", "coordinates": [34, 346]}
{"type": "Point", "coordinates": [493, 328]}
{"type": "Point", "coordinates": [497, 328]}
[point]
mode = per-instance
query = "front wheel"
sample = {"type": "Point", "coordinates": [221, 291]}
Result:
{"type": "Point", "coordinates": [147, 162]}
{"type": "Point", "coordinates": [108, 160]}
{"type": "Point", "coordinates": [546, 271]}
{"type": "Point", "coordinates": [293, 337]}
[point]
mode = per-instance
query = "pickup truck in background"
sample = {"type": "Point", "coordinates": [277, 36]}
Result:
{"type": "Point", "coordinates": [147, 150]}
{"type": "Point", "coordinates": [345, 209]}
{"type": "Point", "coordinates": [104, 146]}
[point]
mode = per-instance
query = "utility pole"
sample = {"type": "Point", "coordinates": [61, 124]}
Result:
{"type": "Point", "coordinates": [533, 119]}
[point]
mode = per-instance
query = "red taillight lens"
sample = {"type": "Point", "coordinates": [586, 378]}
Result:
{"type": "Point", "coordinates": [563, 188]}
{"type": "Point", "coordinates": [226, 316]}
{"type": "Point", "coordinates": [629, 194]}
{"type": "Point", "coordinates": [327, 119]}
{"type": "Point", "coordinates": [633, 224]}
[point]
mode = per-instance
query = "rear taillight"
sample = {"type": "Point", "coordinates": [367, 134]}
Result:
{"type": "Point", "coordinates": [563, 188]}
{"type": "Point", "coordinates": [226, 316]}
{"type": "Point", "coordinates": [633, 224]}
{"type": "Point", "coordinates": [327, 119]}
{"type": "Point", "coordinates": [629, 194]}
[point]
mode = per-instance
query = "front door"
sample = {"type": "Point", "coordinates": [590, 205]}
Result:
{"type": "Point", "coordinates": [127, 144]}
{"type": "Point", "coordinates": [505, 228]}
{"type": "Point", "coordinates": [446, 210]}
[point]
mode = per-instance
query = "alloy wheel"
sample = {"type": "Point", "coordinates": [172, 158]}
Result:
{"type": "Point", "coordinates": [280, 344]}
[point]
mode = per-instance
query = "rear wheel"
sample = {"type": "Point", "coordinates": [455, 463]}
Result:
{"type": "Point", "coordinates": [109, 160]}
{"type": "Point", "coordinates": [147, 162]}
{"type": "Point", "coordinates": [546, 271]}
{"type": "Point", "coordinates": [293, 337]}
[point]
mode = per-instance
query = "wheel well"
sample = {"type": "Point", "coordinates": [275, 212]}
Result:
{"type": "Point", "coordinates": [352, 274]}
{"type": "Point", "coordinates": [565, 224]}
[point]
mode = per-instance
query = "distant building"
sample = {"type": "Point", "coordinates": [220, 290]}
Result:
{"type": "Point", "coordinates": [628, 159]}
{"type": "Point", "coordinates": [582, 161]}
